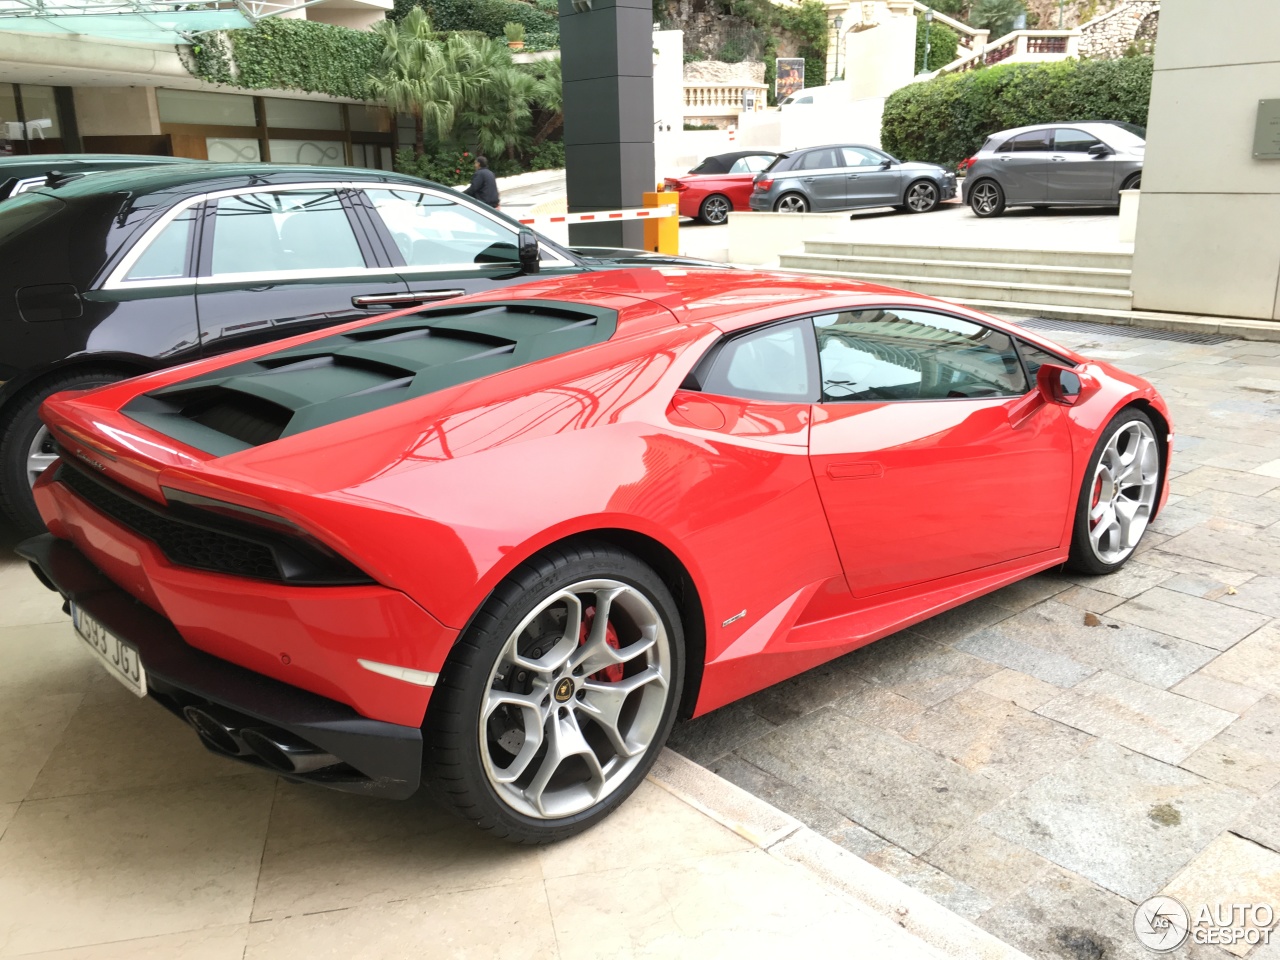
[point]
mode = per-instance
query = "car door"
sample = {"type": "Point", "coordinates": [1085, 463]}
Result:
{"type": "Point", "coordinates": [1022, 166]}
{"type": "Point", "coordinates": [933, 454]}
{"type": "Point", "coordinates": [280, 260]}
{"type": "Point", "coordinates": [869, 182]}
{"type": "Point", "coordinates": [821, 174]}
{"type": "Point", "coordinates": [1077, 176]}
{"type": "Point", "coordinates": [444, 247]}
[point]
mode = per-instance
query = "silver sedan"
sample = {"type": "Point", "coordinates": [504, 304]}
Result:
{"type": "Point", "coordinates": [1055, 164]}
{"type": "Point", "coordinates": [847, 176]}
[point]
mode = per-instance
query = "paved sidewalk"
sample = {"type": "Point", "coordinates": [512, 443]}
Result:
{"type": "Point", "coordinates": [1043, 759]}
{"type": "Point", "coordinates": [122, 838]}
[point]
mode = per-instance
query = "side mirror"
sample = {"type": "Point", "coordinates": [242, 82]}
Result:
{"type": "Point", "coordinates": [886, 163]}
{"type": "Point", "coordinates": [530, 253]}
{"type": "Point", "coordinates": [1060, 384]}
{"type": "Point", "coordinates": [1099, 150]}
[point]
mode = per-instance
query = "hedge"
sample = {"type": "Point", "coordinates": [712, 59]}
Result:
{"type": "Point", "coordinates": [947, 119]}
{"type": "Point", "coordinates": [487, 16]}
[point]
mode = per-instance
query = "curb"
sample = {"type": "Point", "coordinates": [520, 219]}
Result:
{"type": "Point", "coordinates": [786, 838]}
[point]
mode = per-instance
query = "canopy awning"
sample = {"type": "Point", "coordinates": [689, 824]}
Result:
{"type": "Point", "coordinates": [142, 21]}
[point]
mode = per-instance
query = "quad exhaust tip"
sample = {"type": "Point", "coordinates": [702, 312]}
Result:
{"type": "Point", "coordinates": [277, 750]}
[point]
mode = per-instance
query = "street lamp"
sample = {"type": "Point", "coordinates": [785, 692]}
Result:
{"type": "Point", "coordinates": [928, 23]}
{"type": "Point", "coordinates": [1061, 4]}
{"type": "Point", "coordinates": [839, 22]}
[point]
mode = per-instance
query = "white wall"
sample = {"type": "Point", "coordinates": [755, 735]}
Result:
{"type": "Point", "coordinates": [881, 59]}
{"type": "Point", "coordinates": [1208, 237]}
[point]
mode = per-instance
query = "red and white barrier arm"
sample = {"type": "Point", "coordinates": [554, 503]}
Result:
{"type": "Point", "coordinates": [644, 213]}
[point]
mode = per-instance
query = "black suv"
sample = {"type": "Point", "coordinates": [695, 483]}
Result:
{"type": "Point", "coordinates": [116, 274]}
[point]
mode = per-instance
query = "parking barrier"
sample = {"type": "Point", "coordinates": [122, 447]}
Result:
{"type": "Point", "coordinates": [662, 238]}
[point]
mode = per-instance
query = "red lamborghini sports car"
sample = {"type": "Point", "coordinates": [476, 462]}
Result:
{"type": "Point", "coordinates": [719, 185]}
{"type": "Point", "coordinates": [497, 546]}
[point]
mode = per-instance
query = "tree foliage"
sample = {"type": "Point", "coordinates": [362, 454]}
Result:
{"type": "Point", "coordinates": [946, 119]}
{"type": "Point", "coordinates": [998, 16]}
{"type": "Point", "coordinates": [943, 44]}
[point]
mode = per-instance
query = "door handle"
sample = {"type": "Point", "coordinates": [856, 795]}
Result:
{"type": "Point", "coordinates": [808, 179]}
{"type": "Point", "coordinates": [853, 176]}
{"type": "Point", "coordinates": [393, 299]}
{"type": "Point", "coordinates": [866, 470]}
{"type": "Point", "coordinates": [1059, 159]}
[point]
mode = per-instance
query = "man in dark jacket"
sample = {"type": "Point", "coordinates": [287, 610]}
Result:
{"type": "Point", "coordinates": [484, 186]}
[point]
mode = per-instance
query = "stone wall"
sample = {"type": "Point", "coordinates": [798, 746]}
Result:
{"type": "Point", "coordinates": [1111, 35]}
{"type": "Point", "coordinates": [713, 71]}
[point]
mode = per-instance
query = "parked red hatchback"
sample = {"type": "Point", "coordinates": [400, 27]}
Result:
{"type": "Point", "coordinates": [719, 185]}
{"type": "Point", "coordinates": [501, 545]}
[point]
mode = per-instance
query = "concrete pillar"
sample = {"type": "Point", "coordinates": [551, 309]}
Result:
{"type": "Point", "coordinates": [117, 111]}
{"type": "Point", "coordinates": [606, 59]}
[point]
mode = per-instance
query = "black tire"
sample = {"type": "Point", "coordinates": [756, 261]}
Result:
{"type": "Point", "coordinates": [979, 202]}
{"type": "Point", "coordinates": [1133, 183]}
{"type": "Point", "coordinates": [1083, 558]}
{"type": "Point", "coordinates": [921, 196]}
{"type": "Point", "coordinates": [796, 203]}
{"type": "Point", "coordinates": [453, 763]}
{"type": "Point", "coordinates": [19, 428]}
{"type": "Point", "coordinates": [715, 209]}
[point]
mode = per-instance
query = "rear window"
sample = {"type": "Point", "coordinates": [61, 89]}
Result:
{"type": "Point", "coordinates": [774, 162]}
{"type": "Point", "coordinates": [25, 211]}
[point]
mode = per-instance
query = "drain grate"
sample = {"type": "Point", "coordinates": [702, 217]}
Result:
{"type": "Point", "coordinates": [1112, 332]}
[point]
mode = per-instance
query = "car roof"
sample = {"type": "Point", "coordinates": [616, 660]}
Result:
{"type": "Point", "coordinates": [194, 178]}
{"type": "Point", "coordinates": [1089, 126]}
{"type": "Point", "coordinates": [55, 160]}
{"type": "Point", "coordinates": [739, 154]}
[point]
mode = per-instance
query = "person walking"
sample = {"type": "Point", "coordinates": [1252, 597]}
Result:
{"type": "Point", "coordinates": [484, 185]}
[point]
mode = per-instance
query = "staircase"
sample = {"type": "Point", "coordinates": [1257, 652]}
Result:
{"type": "Point", "coordinates": [1066, 284]}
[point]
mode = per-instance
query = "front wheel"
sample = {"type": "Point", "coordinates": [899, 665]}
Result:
{"type": "Point", "coordinates": [922, 196]}
{"type": "Point", "coordinates": [715, 209]}
{"type": "Point", "coordinates": [987, 199]}
{"type": "Point", "coordinates": [1119, 494]}
{"type": "Point", "coordinates": [1133, 183]}
{"type": "Point", "coordinates": [792, 203]}
{"type": "Point", "coordinates": [551, 709]}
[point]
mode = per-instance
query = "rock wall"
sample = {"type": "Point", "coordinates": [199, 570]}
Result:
{"type": "Point", "coordinates": [713, 71]}
{"type": "Point", "coordinates": [1111, 35]}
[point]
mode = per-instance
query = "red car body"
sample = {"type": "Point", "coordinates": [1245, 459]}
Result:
{"type": "Point", "coordinates": [714, 179]}
{"type": "Point", "coordinates": [802, 530]}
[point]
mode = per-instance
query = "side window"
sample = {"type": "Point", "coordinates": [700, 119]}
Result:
{"type": "Point", "coordinates": [1026, 142]}
{"type": "Point", "coordinates": [768, 364]}
{"type": "Point", "coordinates": [166, 256]}
{"type": "Point", "coordinates": [434, 231]}
{"type": "Point", "coordinates": [1073, 141]}
{"type": "Point", "coordinates": [875, 355]}
{"type": "Point", "coordinates": [819, 160]}
{"type": "Point", "coordinates": [750, 164]}
{"type": "Point", "coordinates": [1034, 358]}
{"type": "Point", "coordinates": [862, 157]}
{"type": "Point", "coordinates": [280, 232]}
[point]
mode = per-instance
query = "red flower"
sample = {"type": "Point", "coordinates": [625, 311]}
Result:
{"type": "Point", "coordinates": [465, 154]}
{"type": "Point", "coordinates": [458, 170]}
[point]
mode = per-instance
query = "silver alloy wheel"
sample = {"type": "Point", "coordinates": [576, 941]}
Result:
{"type": "Point", "coordinates": [716, 209]}
{"type": "Point", "coordinates": [1123, 493]}
{"type": "Point", "coordinates": [986, 198]}
{"type": "Point", "coordinates": [41, 455]}
{"type": "Point", "coordinates": [922, 197]}
{"type": "Point", "coordinates": [792, 203]}
{"type": "Point", "coordinates": [575, 699]}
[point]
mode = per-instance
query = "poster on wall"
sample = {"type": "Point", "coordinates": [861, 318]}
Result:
{"type": "Point", "coordinates": [789, 77]}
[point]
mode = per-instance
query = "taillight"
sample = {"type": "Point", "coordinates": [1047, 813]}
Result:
{"type": "Point", "coordinates": [675, 185]}
{"type": "Point", "coordinates": [764, 184]}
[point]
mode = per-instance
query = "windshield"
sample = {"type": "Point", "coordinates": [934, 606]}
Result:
{"type": "Point", "coordinates": [26, 210]}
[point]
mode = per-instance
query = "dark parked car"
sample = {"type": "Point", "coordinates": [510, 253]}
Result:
{"type": "Point", "coordinates": [1055, 164]}
{"type": "Point", "coordinates": [116, 274]}
{"type": "Point", "coordinates": [20, 174]}
{"type": "Point", "coordinates": [847, 176]}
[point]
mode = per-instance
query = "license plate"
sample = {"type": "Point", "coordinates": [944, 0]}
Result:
{"type": "Point", "coordinates": [120, 658]}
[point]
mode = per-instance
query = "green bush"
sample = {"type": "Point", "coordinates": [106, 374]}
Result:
{"type": "Point", "coordinates": [448, 165]}
{"type": "Point", "coordinates": [487, 16]}
{"type": "Point", "coordinates": [542, 40]}
{"type": "Point", "coordinates": [946, 119]}
{"type": "Point", "coordinates": [548, 155]}
{"type": "Point", "coordinates": [943, 44]}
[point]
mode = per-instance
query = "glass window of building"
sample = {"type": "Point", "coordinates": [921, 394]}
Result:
{"type": "Point", "coordinates": [41, 111]}
{"type": "Point", "coordinates": [194, 106]}
{"type": "Point", "coordinates": [233, 149]}
{"type": "Point", "coordinates": [315, 153]}
{"type": "Point", "coordinates": [303, 115]}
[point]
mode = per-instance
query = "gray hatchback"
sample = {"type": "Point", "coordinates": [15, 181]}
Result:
{"type": "Point", "coordinates": [846, 176]}
{"type": "Point", "coordinates": [1055, 164]}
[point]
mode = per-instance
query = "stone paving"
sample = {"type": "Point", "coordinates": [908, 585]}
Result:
{"type": "Point", "coordinates": [1044, 758]}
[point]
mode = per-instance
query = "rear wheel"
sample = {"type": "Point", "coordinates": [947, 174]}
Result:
{"type": "Point", "coordinates": [715, 209]}
{"type": "Point", "coordinates": [27, 449]}
{"type": "Point", "coordinates": [553, 706]}
{"type": "Point", "coordinates": [922, 196]}
{"type": "Point", "coordinates": [1118, 496]}
{"type": "Point", "coordinates": [791, 203]}
{"type": "Point", "coordinates": [1133, 183]}
{"type": "Point", "coordinates": [987, 199]}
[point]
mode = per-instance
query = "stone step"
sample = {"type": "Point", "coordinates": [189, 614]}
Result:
{"type": "Point", "coordinates": [1268, 330]}
{"type": "Point", "coordinates": [1066, 296]}
{"type": "Point", "coordinates": [903, 251]}
{"type": "Point", "coordinates": [1068, 276]}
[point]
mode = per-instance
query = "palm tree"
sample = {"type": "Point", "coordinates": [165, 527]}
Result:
{"type": "Point", "coordinates": [498, 113]}
{"type": "Point", "coordinates": [998, 16]}
{"type": "Point", "coordinates": [416, 75]}
{"type": "Point", "coordinates": [548, 94]}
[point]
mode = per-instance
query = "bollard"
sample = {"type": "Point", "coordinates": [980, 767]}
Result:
{"type": "Point", "coordinates": [662, 235]}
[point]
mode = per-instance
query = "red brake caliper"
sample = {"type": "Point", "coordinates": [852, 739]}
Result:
{"type": "Point", "coordinates": [612, 673]}
{"type": "Point", "coordinates": [1097, 494]}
